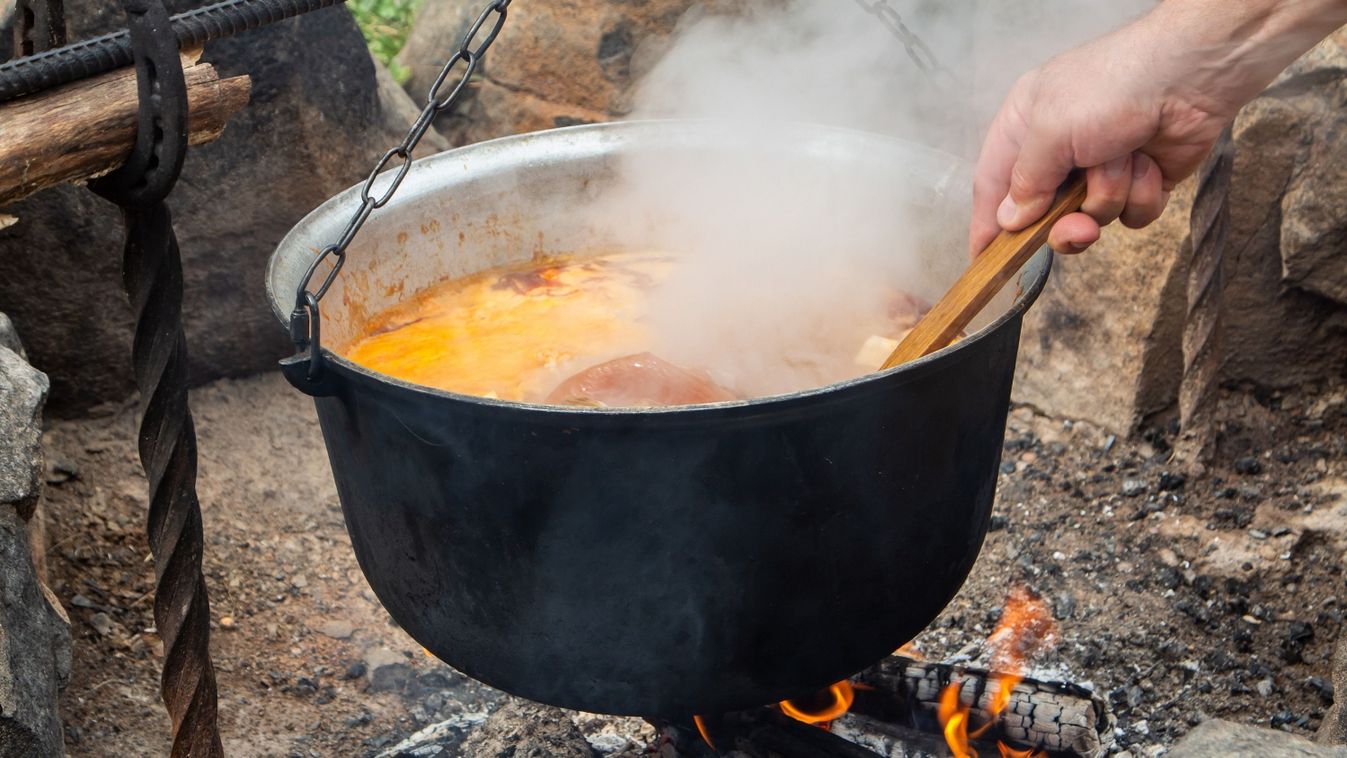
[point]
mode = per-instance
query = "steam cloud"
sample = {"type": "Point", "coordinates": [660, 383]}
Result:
{"type": "Point", "coordinates": [787, 269]}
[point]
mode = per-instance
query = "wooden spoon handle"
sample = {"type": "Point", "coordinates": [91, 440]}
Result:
{"type": "Point", "coordinates": [985, 277]}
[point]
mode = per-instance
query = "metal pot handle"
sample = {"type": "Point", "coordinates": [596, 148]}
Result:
{"type": "Point", "coordinates": [305, 368]}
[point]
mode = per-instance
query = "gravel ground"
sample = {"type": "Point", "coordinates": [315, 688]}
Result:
{"type": "Point", "coordinates": [1182, 597]}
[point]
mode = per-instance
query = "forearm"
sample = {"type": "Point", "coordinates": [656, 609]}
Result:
{"type": "Point", "coordinates": [1229, 51]}
{"type": "Point", "coordinates": [1138, 108]}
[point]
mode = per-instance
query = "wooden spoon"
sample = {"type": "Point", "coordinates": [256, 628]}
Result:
{"type": "Point", "coordinates": [985, 277]}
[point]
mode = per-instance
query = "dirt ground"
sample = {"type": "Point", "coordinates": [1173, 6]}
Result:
{"type": "Point", "coordinates": [1180, 598]}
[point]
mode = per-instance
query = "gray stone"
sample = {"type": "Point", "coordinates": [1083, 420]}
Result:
{"type": "Point", "coordinates": [561, 63]}
{"type": "Point", "coordinates": [436, 31]}
{"type": "Point", "coordinates": [34, 633]}
{"type": "Point", "coordinates": [319, 119]}
{"type": "Point", "coordinates": [34, 651]}
{"type": "Point", "coordinates": [1333, 730]}
{"type": "Point", "coordinates": [337, 629]}
{"type": "Point", "coordinates": [388, 671]}
{"type": "Point", "coordinates": [9, 337]}
{"type": "Point", "coordinates": [1313, 224]}
{"type": "Point", "coordinates": [23, 389]}
{"type": "Point", "coordinates": [527, 730]}
{"type": "Point", "coordinates": [1221, 739]}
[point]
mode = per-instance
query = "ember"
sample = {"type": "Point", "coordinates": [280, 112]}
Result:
{"type": "Point", "coordinates": [1025, 629]}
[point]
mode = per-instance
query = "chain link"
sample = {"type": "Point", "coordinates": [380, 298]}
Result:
{"type": "Point", "coordinates": [305, 320]}
{"type": "Point", "coordinates": [917, 50]}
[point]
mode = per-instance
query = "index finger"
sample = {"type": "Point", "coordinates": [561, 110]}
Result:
{"type": "Point", "coordinates": [991, 183]}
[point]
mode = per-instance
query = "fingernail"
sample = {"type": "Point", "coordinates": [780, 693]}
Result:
{"type": "Point", "coordinates": [1075, 248]}
{"type": "Point", "coordinates": [1140, 167]}
{"type": "Point", "coordinates": [1005, 215]}
{"type": "Point", "coordinates": [1115, 168]}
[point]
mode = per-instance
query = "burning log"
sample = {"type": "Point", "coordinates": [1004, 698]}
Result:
{"type": "Point", "coordinates": [895, 715]}
{"type": "Point", "coordinates": [1062, 719]}
{"type": "Point", "coordinates": [87, 128]}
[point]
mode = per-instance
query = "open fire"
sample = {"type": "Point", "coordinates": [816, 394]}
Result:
{"type": "Point", "coordinates": [971, 708]}
{"type": "Point", "coordinates": [1025, 628]}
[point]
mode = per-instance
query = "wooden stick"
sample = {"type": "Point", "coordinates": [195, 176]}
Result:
{"type": "Point", "coordinates": [87, 128]}
{"type": "Point", "coordinates": [986, 276]}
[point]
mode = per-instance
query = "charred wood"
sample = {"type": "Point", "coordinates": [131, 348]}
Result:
{"type": "Point", "coordinates": [1062, 719]}
{"type": "Point", "coordinates": [895, 716]}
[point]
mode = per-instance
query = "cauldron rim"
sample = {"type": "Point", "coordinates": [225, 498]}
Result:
{"type": "Point", "coordinates": [1036, 270]}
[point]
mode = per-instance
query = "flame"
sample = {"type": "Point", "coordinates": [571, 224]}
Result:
{"type": "Point", "coordinates": [1025, 628]}
{"type": "Point", "coordinates": [954, 718]}
{"type": "Point", "coordinates": [1005, 685]}
{"type": "Point", "coordinates": [839, 696]}
{"type": "Point", "coordinates": [1005, 689]}
{"type": "Point", "coordinates": [701, 728]}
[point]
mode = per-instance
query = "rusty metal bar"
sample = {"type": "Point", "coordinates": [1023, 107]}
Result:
{"type": "Point", "coordinates": [152, 275]}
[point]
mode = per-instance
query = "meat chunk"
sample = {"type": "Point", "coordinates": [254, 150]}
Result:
{"type": "Point", "coordinates": [642, 380]}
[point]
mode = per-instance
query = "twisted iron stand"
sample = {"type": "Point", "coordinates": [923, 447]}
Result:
{"type": "Point", "coordinates": [1199, 392]}
{"type": "Point", "coordinates": [152, 274]}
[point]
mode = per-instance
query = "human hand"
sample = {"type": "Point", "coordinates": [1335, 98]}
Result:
{"type": "Point", "coordinates": [1111, 107]}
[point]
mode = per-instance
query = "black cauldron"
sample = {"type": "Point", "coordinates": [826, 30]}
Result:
{"type": "Point", "coordinates": [654, 562]}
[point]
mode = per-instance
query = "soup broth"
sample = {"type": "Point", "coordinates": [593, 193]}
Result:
{"type": "Point", "coordinates": [569, 330]}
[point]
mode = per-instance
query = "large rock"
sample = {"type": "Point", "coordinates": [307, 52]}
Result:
{"type": "Point", "coordinates": [1222, 739]}
{"type": "Point", "coordinates": [319, 118]}
{"type": "Point", "coordinates": [1333, 729]}
{"type": "Point", "coordinates": [1313, 223]}
{"type": "Point", "coordinates": [1105, 342]}
{"type": "Point", "coordinates": [23, 390]}
{"type": "Point", "coordinates": [9, 336]}
{"type": "Point", "coordinates": [555, 64]}
{"type": "Point", "coordinates": [34, 635]}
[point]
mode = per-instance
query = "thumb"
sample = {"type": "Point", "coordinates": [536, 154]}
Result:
{"type": "Point", "coordinates": [1044, 162]}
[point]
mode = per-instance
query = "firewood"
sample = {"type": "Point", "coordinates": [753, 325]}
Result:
{"type": "Point", "coordinates": [88, 128]}
{"type": "Point", "coordinates": [1063, 719]}
{"type": "Point", "coordinates": [895, 716]}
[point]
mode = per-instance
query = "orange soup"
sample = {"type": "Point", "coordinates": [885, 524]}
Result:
{"type": "Point", "coordinates": [568, 330]}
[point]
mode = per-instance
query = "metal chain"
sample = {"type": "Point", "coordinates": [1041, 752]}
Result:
{"type": "Point", "coordinates": [917, 50]}
{"type": "Point", "coordinates": [305, 319]}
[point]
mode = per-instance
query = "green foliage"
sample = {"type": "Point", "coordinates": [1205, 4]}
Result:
{"type": "Point", "coordinates": [386, 24]}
